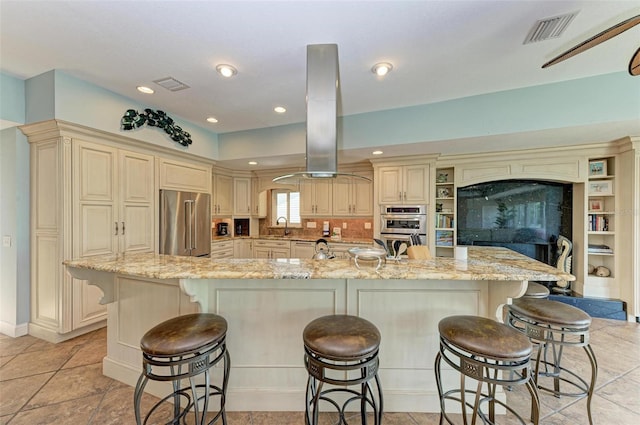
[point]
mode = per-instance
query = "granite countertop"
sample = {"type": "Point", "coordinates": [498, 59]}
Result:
{"type": "Point", "coordinates": [483, 263]}
{"type": "Point", "coordinates": [296, 239]}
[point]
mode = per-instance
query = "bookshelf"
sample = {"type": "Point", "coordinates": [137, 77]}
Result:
{"type": "Point", "coordinates": [445, 212]}
{"type": "Point", "coordinates": [601, 230]}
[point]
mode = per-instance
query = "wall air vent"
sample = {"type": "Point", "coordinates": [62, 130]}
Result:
{"type": "Point", "coordinates": [549, 28]}
{"type": "Point", "coordinates": [171, 84]}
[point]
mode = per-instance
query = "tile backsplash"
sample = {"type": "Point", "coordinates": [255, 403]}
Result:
{"type": "Point", "coordinates": [355, 227]}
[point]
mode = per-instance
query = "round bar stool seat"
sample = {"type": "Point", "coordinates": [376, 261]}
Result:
{"type": "Point", "coordinates": [342, 350]}
{"type": "Point", "coordinates": [179, 349]}
{"type": "Point", "coordinates": [552, 326]}
{"type": "Point", "coordinates": [536, 290]}
{"type": "Point", "coordinates": [490, 353]}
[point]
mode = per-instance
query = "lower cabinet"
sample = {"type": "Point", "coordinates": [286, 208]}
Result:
{"type": "Point", "coordinates": [222, 249]}
{"type": "Point", "coordinates": [267, 248]}
{"type": "Point", "coordinates": [341, 250]}
{"type": "Point", "coordinates": [243, 248]}
{"type": "Point", "coordinates": [302, 249]}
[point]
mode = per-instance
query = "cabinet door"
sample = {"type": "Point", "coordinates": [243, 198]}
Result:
{"type": "Point", "coordinates": [415, 182]}
{"type": "Point", "coordinates": [136, 196]}
{"type": "Point", "coordinates": [261, 252]}
{"type": "Point", "coordinates": [307, 199]}
{"type": "Point", "coordinates": [362, 197]}
{"type": "Point", "coordinates": [302, 250]}
{"type": "Point", "coordinates": [323, 197]}
{"type": "Point", "coordinates": [96, 224]}
{"type": "Point", "coordinates": [96, 227]}
{"type": "Point", "coordinates": [222, 195]}
{"type": "Point", "coordinates": [390, 185]}
{"type": "Point", "coordinates": [184, 176]}
{"type": "Point", "coordinates": [242, 248]}
{"type": "Point", "coordinates": [242, 196]}
{"type": "Point", "coordinates": [280, 253]}
{"type": "Point", "coordinates": [342, 197]}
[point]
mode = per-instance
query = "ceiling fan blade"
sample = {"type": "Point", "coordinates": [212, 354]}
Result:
{"type": "Point", "coordinates": [595, 40]}
{"type": "Point", "coordinates": [634, 65]}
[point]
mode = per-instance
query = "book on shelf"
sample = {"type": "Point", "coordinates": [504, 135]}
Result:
{"type": "Point", "coordinates": [444, 221]}
{"type": "Point", "coordinates": [444, 238]}
{"type": "Point", "coordinates": [599, 249]}
{"type": "Point", "coordinates": [598, 223]}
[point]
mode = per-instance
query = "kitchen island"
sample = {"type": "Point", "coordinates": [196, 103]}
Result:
{"type": "Point", "coordinates": [267, 304]}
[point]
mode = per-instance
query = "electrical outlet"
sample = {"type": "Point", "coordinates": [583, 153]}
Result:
{"type": "Point", "coordinates": [344, 225]}
{"type": "Point", "coordinates": [311, 224]}
{"type": "Point", "coordinates": [6, 241]}
{"type": "Point", "coordinates": [367, 226]}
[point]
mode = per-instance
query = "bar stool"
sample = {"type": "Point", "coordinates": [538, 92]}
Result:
{"type": "Point", "coordinates": [182, 348]}
{"type": "Point", "coordinates": [536, 290]}
{"type": "Point", "coordinates": [490, 353]}
{"type": "Point", "coordinates": [552, 326]}
{"type": "Point", "coordinates": [342, 351]}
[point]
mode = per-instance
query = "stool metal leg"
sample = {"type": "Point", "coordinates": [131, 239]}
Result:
{"type": "Point", "coordinates": [137, 397]}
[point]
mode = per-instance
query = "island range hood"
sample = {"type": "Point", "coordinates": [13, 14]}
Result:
{"type": "Point", "coordinates": [322, 108]}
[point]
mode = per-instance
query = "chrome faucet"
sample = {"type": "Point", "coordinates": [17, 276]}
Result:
{"type": "Point", "coordinates": [286, 229]}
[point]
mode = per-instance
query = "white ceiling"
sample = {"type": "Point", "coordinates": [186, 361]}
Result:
{"type": "Point", "coordinates": [440, 50]}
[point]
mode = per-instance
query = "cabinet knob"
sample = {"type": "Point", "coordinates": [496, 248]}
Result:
{"type": "Point", "coordinates": [123, 227]}
{"type": "Point", "coordinates": [116, 228]}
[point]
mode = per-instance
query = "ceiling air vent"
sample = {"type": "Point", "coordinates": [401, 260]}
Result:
{"type": "Point", "coordinates": [549, 28]}
{"type": "Point", "coordinates": [171, 84]}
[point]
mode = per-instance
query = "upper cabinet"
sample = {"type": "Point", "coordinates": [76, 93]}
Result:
{"type": "Point", "coordinates": [405, 184]}
{"type": "Point", "coordinates": [353, 197]}
{"type": "Point", "coordinates": [242, 195]}
{"type": "Point", "coordinates": [189, 177]}
{"type": "Point", "coordinates": [222, 199]}
{"type": "Point", "coordinates": [316, 198]}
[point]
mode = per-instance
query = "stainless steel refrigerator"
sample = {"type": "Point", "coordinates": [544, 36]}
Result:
{"type": "Point", "coordinates": [185, 223]}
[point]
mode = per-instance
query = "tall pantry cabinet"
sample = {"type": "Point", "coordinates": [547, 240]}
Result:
{"type": "Point", "coordinates": [87, 198]}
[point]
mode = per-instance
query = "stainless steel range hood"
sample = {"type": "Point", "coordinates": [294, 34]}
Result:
{"type": "Point", "coordinates": [322, 107]}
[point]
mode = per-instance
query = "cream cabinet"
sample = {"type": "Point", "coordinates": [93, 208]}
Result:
{"type": "Point", "coordinates": [182, 175]}
{"type": "Point", "coordinates": [222, 199]}
{"type": "Point", "coordinates": [353, 197]}
{"type": "Point", "coordinates": [406, 184]}
{"type": "Point", "coordinates": [316, 198]}
{"type": "Point", "coordinates": [87, 198]}
{"type": "Point", "coordinates": [242, 191]}
{"type": "Point", "coordinates": [272, 249]}
{"type": "Point", "coordinates": [222, 249]}
{"type": "Point", "coordinates": [303, 249]}
{"type": "Point", "coordinates": [112, 213]}
{"type": "Point", "coordinates": [243, 248]}
{"type": "Point", "coordinates": [341, 250]}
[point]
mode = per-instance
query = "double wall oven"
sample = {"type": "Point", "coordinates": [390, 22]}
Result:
{"type": "Point", "coordinates": [403, 223]}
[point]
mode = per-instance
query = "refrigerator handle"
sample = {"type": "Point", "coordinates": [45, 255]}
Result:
{"type": "Point", "coordinates": [188, 207]}
{"type": "Point", "coordinates": [194, 224]}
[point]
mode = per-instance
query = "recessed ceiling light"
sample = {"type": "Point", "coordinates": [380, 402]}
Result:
{"type": "Point", "coordinates": [226, 70]}
{"type": "Point", "coordinates": [253, 163]}
{"type": "Point", "coordinates": [212, 120]}
{"type": "Point", "coordinates": [377, 152]}
{"type": "Point", "coordinates": [144, 89]}
{"type": "Point", "coordinates": [381, 69]}
{"type": "Point", "coordinates": [280, 109]}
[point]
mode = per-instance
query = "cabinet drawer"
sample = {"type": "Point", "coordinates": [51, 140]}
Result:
{"type": "Point", "coordinates": [272, 244]}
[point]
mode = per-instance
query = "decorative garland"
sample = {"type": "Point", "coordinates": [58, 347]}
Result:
{"type": "Point", "coordinates": [132, 120]}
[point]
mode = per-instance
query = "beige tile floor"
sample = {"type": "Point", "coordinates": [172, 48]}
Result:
{"type": "Point", "coordinates": [43, 383]}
